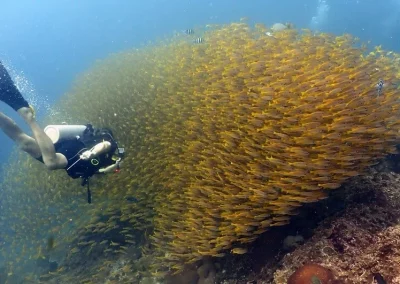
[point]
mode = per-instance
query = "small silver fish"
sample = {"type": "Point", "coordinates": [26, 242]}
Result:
{"type": "Point", "coordinates": [198, 40]}
{"type": "Point", "coordinates": [379, 87]}
{"type": "Point", "coordinates": [189, 31]}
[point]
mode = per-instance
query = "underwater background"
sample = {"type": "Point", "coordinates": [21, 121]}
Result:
{"type": "Point", "coordinates": [69, 57]}
{"type": "Point", "coordinates": [48, 45]}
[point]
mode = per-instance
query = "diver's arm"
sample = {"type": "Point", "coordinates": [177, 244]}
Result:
{"type": "Point", "coordinates": [98, 149]}
{"type": "Point", "coordinates": [101, 148]}
{"type": "Point", "coordinates": [111, 168]}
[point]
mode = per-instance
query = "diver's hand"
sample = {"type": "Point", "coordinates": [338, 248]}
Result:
{"type": "Point", "coordinates": [27, 113]}
{"type": "Point", "coordinates": [112, 167]}
{"type": "Point", "coordinates": [87, 155]}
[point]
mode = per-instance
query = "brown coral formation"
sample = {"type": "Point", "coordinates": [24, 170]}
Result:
{"type": "Point", "coordinates": [223, 140]}
{"type": "Point", "coordinates": [361, 244]}
{"type": "Point", "coordinates": [204, 273]}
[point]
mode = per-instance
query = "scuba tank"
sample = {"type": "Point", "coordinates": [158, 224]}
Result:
{"type": "Point", "coordinates": [88, 137]}
{"type": "Point", "coordinates": [59, 133]}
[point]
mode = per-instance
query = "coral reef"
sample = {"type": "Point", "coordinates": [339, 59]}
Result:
{"type": "Point", "coordinates": [203, 273]}
{"type": "Point", "coordinates": [363, 216]}
{"type": "Point", "coordinates": [360, 243]}
{"type": "Point", "coordinates": [224, 140]}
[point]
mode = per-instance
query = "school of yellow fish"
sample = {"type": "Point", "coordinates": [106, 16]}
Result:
{"type": "Point", "coordinates": [223, 140]}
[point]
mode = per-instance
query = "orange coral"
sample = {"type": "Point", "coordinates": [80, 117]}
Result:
{"type": "Point", "coordinates": [312, 274]}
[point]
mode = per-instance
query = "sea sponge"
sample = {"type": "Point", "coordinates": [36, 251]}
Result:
{"type": "Point", "coordinates": [312, 273]}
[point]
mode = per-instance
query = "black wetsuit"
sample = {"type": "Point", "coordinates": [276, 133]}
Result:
{"type": "Point", "coordinates": [73, 148]}
{"type": "Point", "coordinates": [9, 92]}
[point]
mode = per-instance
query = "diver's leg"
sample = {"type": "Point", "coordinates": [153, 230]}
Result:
{"type": "Point", "coordinates": [11, 96]}
{"type": "Point", "coordinates": [9, 92]}
{"type": "Point", "coordinates": [24, 141]}
{"type": "Point", "coordinates": [52, 160]}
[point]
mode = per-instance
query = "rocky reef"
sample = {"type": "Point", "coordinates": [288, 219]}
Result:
{"type": "Point", "coordinates": [355, 235]}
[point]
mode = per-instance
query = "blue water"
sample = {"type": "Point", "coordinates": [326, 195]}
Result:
{"type": "Point", "coordinates": [48, 43]}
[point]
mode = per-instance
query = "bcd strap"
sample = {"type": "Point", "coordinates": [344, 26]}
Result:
{"type": "Point", "coordinates": [89, 194]}
{"type": "Point", "coordinates": [85, 181]}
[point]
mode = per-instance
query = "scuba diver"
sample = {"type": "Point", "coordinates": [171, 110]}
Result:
{"type": "Point", "coordinates": [81, 150]}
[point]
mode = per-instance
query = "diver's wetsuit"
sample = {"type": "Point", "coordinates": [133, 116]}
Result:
{"type": "Point", "coordinates": [9, 92]}
{"type": "Point", "coordinates": [73, 148]}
